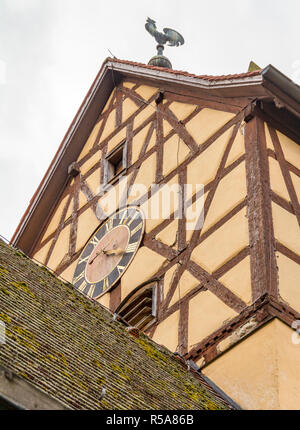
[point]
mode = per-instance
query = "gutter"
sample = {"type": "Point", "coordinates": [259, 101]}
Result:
{"type": "Point", "coordinates": [278, 84]}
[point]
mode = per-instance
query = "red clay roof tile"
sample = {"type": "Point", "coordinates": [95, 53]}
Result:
{"type": "Point", "coordinates": [183, 73]}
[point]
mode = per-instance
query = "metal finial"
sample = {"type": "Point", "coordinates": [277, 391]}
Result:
{"type": "Point", "coordinates": [169, 37]}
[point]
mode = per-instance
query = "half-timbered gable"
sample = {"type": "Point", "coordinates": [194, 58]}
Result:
{"type": "Point", "coordinates": [213, 163]}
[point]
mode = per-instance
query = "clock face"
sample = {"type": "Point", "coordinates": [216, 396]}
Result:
{"type": "Point", "coordinates": [109, 252]}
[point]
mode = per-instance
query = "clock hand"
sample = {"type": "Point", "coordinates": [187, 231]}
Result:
{"type": "Point", "coordinates": [97, 253]}
{"type": "Point", "coordinates": [100, 252]}
{"type": "Point", "coordinates": [117, 251]}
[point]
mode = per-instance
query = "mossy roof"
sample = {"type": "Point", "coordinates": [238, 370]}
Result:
{"type": "Point", "coordinates": [71, 347]}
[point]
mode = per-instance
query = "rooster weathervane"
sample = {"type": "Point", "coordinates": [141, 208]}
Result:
{"type": "Point", "coordinates": [169, 36]}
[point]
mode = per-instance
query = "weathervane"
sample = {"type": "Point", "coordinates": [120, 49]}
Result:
{"type": "Point", "coordinates": [169, 36]}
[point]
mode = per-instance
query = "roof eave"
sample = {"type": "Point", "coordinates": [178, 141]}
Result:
{"type": "Point", "coordinates": [283, 88]}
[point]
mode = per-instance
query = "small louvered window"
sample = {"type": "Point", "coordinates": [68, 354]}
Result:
{"type": "Point", "coordinates": [138, 309]}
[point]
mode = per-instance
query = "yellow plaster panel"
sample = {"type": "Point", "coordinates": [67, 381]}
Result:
{"type": "Point", "coordinates": [41, 255]}
{"type": "Point", "coordinates": [207, 313]}
{"type": "Point", "coordinates": [87, 224]}
{"type": "Point", "coordinates": [129, 107]}
{"type": "Point", "coordinates": [238, 280]}
{"type": "Point", "coordinates": [186, 284]}
{"type": "Point", "coordinates": [56, 217]}
{"type": "Point", "coordinates": [289, 280]}
{"type": "Point", "coordinates": [237, 149]}
{"type": "Point", "coordinates": [116, 140]}
{"type": "Point", "coordinates": [193, 218]}
{"type": "Point", "coordinates": [203, 169]}
{"type": "Point", "coordinates": [143, 115]}
{"type": "Point", "coordinates": [261, 372]}
{"type": "Point", "coordinates": [248, 372]}
{"type": "Point", "coordinates": [82, 200]}
{"type": "Point", "coordinates": [168, 278]}
{"type": "Point", "coordinates": [94, 159]}
{"type": "Point", "coordinates": [60, 249]}
{"type": "Point", "coordinates": [146, 92]}
{"type": "Point", "coordinates": [223, 244]}
{"type": "Point", "coordinates": [146, 175]}
{"type": "Point", "coordinates": [108, 101]}
{"type": "Point", "coordinates": [268, 138]}
{"type": "Point", "coordinates": [231, 190]}
{"type": "Point", "coordinates": [109, 126]}
{"type": "Point", "coordinates": [175, 152]}
{"type": "Point", "coordinates": [152, 141]}
{"type": "Point", "coordinates": [138, 142]}
{"type": "Point", "coordinates": [168, 235]}
{"type": "Point", "coordinates": [161, 205]}
{"type": "Point", "coordinates": [286, 228]}
{"type": "Point", "coordinates": [206, 123]}
{"type": "Point", "coordinates": [129, 84]}
{"type": "Point", "coordinates": [277, 181]}
{"type": "Point", "coordinates": [182, 110]}
{"type": "Point", "coordinates": [93, 181]}
{"type": "Point", "coordinates": [110, 201]}
{"type": "Point", "coordinates": [296, 182]}
{"type": "Point", "coordinates": [104, 300]}
{"type": "Point", "coordinates": [289, 366]}
{"type": "Point", "coordinates": [143, 267]}
{"type": "Point", "coordinates": [90, 142]}
{"type": "Point", "coordinates": [290, 149]}
{"type": "Point", "coordinates": [167, 332]}
{"type": "Point", "coordinates": [69, 272]}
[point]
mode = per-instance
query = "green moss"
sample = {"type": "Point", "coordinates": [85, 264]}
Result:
{"type": "Point", "coordinates": [101, 381]}
{"type": "Point", "coordinates": [4, 290]}
{"type": "Point", "coordinates": [20, 254]}
{"type": "Point", "coordinates": [24, 287]}
{"type": "Point", "coordinates": [67, 375]}
{"type": "Point", "coordinates": [97, 363]}
{"type": "Point", "coordinates": [3, 270]}
{"type": "Point", "coordinates": [5, 318]}
{"type": "Point", "coordinates": [151, 351]}
{"type": "Point", "coordinates": [99, 350]}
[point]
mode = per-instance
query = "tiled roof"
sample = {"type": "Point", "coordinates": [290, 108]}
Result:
{"type": "Point", "coordinates": [71, 347]}
{"type": "Point", "coordinates": [190, 75]}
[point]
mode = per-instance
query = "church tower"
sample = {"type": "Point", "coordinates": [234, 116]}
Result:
{"type": "Point", "coordinates": [173, 200]}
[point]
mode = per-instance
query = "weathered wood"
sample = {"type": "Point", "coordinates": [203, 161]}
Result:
{"type": "Point", "coordinates": [261, 235]}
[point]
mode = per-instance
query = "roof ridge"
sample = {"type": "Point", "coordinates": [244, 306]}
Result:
{"type": "Point", "coordinates": [185, 73]}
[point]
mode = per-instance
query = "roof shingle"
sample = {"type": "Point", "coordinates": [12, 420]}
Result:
{"type": "Point", "coordinates": [70, 348]}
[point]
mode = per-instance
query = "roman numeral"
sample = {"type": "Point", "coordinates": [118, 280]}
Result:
{"type": "Point", "coordinates": [109, 224]}
{"type": "Point", "coordinates": [82, 286]}
{"type": "Point", "coordinates": [123, 216]}
{"type": "Point", "coordinates": [83, 260]}
{"type": "Point", "coordinates": [90, 293]}
{"type": "Point", "coordinates": [80, 276]}
{"type": "Point", "coordinates": [95, 241]}
{"type": "Point", "coordinates": [132, 219]}
{"type": "Point", "coordinates": [137, 228]}
{"type": "Point", "coordinates": [120, 269]}
{"type": "Point", "coordinates": [131, 247]}
{"type": "Point", "coordinates": [105, 284]}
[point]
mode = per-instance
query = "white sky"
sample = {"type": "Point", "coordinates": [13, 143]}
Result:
{"type": "Point", "coordinates": [51, 50]}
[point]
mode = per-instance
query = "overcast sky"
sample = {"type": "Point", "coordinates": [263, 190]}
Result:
{"type": "Point", "coordinates": [51, 50]}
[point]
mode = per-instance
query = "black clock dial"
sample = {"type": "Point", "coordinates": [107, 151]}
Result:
{"type": "Point", "coordinates": [109, 252]}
